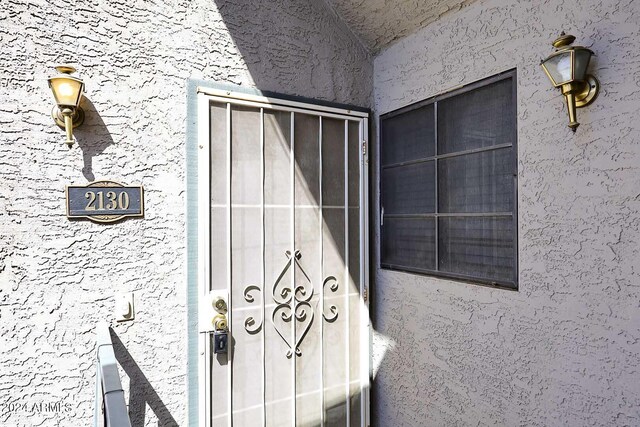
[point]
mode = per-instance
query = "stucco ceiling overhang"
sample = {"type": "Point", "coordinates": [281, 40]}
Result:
{"type": "Point", "coordinates": [379, 23]}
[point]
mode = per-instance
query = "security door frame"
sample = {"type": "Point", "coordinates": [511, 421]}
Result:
{"type": "Point", "coordinates": [206, 95]}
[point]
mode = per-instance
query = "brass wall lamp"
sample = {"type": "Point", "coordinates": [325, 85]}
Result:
{"type": "Point", "coordinates": [67, 91]}
{"type": "Point", "coordinates": [567, 69]}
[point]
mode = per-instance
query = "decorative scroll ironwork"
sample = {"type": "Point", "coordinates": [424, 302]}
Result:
{"type": "Point", "coordinates": [332, 308]}
{"type": "Point", "coordinates": [250, 323]}
{"type": "Point", "coordinates": [291, 305]}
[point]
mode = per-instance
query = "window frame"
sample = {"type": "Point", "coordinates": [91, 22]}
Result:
{"type": "Point", "coordinates": [510, 284]}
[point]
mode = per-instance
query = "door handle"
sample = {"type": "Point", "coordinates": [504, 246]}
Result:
{"type": "Point", "coordinates": [220, 305]}
{"type": "Point", "coordinates": [220, 323]}
{"type": "Point", "coordinates": [220, 326]}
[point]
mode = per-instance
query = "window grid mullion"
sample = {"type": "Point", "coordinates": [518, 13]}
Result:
{"type": "Point", "coordinates": [447, 155]}
{"type": "Point", "coordinates": [450, 215]}
{"type": "Point", "coordinates": [436, 186]}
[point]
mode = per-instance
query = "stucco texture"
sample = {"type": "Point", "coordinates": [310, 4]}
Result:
{"type": "Point", "coordinates": [57, 277]}
{"type": "Point", "coordinates": [565, 348]}
{"type": "Point", "coordinates": [379, 23]}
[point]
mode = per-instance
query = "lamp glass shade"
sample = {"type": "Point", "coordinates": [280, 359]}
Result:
{"type": "Point", "coordinates": [66, 90]}
{"type": "Point", "coordinates": [558, 67]}
{"type": "Point", "coordinates": [582, 57]}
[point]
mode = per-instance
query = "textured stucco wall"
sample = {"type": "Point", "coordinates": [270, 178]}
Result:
{"type": "Point", "coordinates": [58, 278]}
{"type": "Point", "coordinates": [378, 23]}
{"type": "Point", "coordinates": [565, 348]}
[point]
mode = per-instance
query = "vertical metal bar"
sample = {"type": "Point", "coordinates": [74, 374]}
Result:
{"type": "Point", "coordinates": [346, 269]}
{"type": "Point", "coordinates": [321, 231]}
{"type": "Point", "coordinates": [364, 318]}
{"type": "Point", "coordinates": [98, 397]}
{"type": "Point", "coordinates": [514, 148]}
{"type": "Point", "coordinates": [365, 253]}
{"type": "Point", "coordinates": [204, 246]}
{"type": "Point", "coordinates": [293, 269]}
{"type": "Point", "coordinates": [262, 279]}
{"type": "Point", "coordinates": [435, 167]}
{"type": "Point", "coordinates": [229, 273]}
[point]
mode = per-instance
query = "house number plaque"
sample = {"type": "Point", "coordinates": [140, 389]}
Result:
{"type": "Point", "coordinates": [104, 201]}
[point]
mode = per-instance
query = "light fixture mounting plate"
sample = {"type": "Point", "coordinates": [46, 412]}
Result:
{"type": "Point", "coordinates": [588, 92]}
{"type": "Point", "coordinates": [77, 118]}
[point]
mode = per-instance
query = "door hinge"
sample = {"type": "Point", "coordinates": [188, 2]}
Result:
{"type": "Point", "coordinates": [365, 294]}
{"type": "Point", "coordinates": [364, 148]}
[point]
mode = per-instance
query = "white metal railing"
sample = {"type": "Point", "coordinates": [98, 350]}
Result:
{"type": "Point", "coordinates": [109, 398]}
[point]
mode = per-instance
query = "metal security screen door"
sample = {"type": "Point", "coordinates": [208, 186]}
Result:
{"type": "Point", "coordinates": [282, 247]}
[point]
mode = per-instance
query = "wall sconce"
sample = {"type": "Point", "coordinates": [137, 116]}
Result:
{"type": "Point", "coordinates": [567, 69]}
{"type": "Point", "coordinates": [67, 91]}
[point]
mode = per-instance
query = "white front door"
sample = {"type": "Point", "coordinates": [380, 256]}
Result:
{"type": "Point", "coordinates": [282, 232]}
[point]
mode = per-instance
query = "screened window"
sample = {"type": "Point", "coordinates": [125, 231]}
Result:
{"type": "Point", "coordinates": [448, 184]}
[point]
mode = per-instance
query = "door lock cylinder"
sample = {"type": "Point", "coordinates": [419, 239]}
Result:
{"type": "Point", "coordinates": [220, 334]}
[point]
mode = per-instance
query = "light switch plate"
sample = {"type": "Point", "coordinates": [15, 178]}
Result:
{"type": "Point", "coordinates": [124, 308]}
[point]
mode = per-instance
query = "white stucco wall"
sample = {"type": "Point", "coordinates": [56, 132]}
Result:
{"type": "Point", "coordinates": [58, 278]}
{"type": "Point", "coordinates": [565, 348]}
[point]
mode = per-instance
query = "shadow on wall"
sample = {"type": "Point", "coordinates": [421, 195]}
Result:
{"type": "Point", "coordinates": [298, 48]}
{"type": "Point", "coordinates": [141, 393]}
{"type": "Point", "coordinates": [93, 137]}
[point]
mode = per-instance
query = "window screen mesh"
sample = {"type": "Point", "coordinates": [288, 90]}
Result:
{"type": "Point", "coordinates": [451, 211]}
{"type": "Point", "coordinates": [479, 182]}
{"type": "Point", "coordinates": [412, 134]}
{"type": "Point", "coordinates": [479, 118]}
{"type": "Point", "coordinates": [409, 189]}
{"type": "Point", "coordinates": [478, 247]}
{"type": "Point", "coordinates": [409, 242]}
